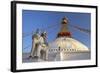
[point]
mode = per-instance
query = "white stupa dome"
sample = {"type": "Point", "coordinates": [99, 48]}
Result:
{"type": "Point", "coordinates": [65, 47]}
{"type": "Point", "coordinates": [68, 44]}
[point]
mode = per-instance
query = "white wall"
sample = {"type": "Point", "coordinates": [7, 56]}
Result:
{"type": "Point", "coordinates": [5, 37]}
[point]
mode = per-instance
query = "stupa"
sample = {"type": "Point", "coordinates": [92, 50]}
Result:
{"type": "Point", "coordinates": [65, 47]}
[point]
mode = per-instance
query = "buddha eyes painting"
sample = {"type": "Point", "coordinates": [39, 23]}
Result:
{"type": "Point", "coordinates": [55, 36]}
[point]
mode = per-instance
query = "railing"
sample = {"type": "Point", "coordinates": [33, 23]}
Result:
{"type": "Point", "coordinates": [67, 50]}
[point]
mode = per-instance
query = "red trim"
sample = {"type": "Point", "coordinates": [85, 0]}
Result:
{"type": "Point", "coordinates": [61, 34]}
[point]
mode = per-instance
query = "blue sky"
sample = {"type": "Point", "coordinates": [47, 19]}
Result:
{"type": "Point", "coordinates": [32, 20]}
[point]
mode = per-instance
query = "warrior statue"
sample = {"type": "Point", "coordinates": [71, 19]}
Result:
{"type": "Point", "coordinates": [39, 46]}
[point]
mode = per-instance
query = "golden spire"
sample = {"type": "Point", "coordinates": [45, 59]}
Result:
{"type": "Point", "coordinates": [64, 28]}
{"type": "Point", "coordinates": [64, 25]}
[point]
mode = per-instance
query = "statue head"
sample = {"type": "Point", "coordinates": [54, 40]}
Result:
{"type": "Point", "coordinates": [44, 34]}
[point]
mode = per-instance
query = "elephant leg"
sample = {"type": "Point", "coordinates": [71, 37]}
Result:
{"type": "Point", "coordinates": [46, 57]}
{"type": "Point", "coordinates": [32, 50]}
{"type": "Point", "coordinates": [39, 51]}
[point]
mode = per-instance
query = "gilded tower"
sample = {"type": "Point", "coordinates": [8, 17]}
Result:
{"type": "Point", "coordinates": [64, 28]}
